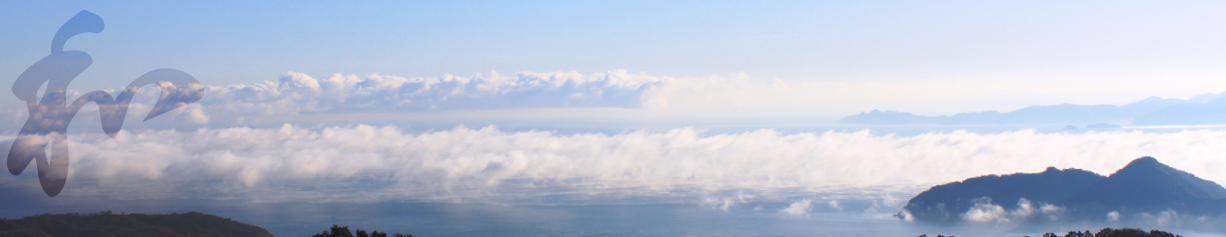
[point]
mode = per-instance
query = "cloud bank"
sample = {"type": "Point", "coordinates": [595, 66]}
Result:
{"type": "Point", "coordinates": [616, 96]}
{"type": "Point", "coordinates": [463, 164]}
{"type": "Point", "coordinates": [300, 93]}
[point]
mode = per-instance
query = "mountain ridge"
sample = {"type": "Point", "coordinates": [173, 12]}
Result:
{"type": "Point", "coordinates": [1153, 110]}
{"type": "Point", "coordinates": [1150, 186]}
{"type": "Point", "coordinates": [1143, 186]}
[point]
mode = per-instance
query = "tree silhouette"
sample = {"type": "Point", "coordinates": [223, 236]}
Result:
{"type": "Point", "coordinates": [1130, 232]}
{"type": "Point", "coordinates": [343, 231]}
{"type": "Point", "coordinates": [1107, 232]}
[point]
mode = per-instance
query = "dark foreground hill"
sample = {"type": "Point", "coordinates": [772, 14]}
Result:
{"type": "Point", "coordinates": [192, 224]}
{"type": "Point", "coordinates": [1144, 186]}
{"type": "Point", "coordinates": [947, 202]}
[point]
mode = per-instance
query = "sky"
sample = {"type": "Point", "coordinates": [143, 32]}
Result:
{"type": "Point", "coordinates": [841, 57]}
{"type": "Point", "coordinates": [607, 101]}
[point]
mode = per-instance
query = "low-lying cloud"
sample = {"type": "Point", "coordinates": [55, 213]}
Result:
{"type": "Point", "coordinates": [798, 208]}
{"type": "Point", "coordinates": [464, 164]}
{"type": "Point", "coordinates": [985, 212]}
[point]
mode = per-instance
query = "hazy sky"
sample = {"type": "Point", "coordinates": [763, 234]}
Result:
{"type": "Point", "coordinates": [395, 100]}
{"type": "Point", "coordinates": [843, 57]}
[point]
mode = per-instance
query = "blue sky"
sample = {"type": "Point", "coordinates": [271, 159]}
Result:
{"type": "Point", "coordinates": [983, 55]}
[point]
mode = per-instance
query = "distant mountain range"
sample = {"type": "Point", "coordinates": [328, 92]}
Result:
{"type": "Point", "coordinates": [1143, 187]}
{"type": "Point", "coordinates": [1199, 110]}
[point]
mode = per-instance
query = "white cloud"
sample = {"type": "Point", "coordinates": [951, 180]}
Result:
{"type": "Point", "coordinates": [798, 208]}
{"type": "Point", "coordinates": [297, 92]}
{"type": "Point", "coordinates": [906, 216]}
{"type": "Point", "coordinates": [723, 204]}
{"type": "Point", "coordinates": [984, 211]}
{"type": "Point", "coordinates": [1052, 212]}
{"type": "Point", "coordinates": [490, 164]}
{"type": "Point", "coordinates": [1168, 218]}
{"type": "Point", "coordinates": [193, 114]}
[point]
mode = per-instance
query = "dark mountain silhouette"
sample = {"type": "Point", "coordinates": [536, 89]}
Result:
{"type": "Point", "coordinates": [1143, 186]}
{"type": "Point", "coordinates": [1204, 109]}
{"type": "Point", "coordinates": [945, 203]}
{"type": "Point", "coordinates": [193, 224]}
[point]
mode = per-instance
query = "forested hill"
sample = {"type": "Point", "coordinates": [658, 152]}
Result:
{"type": "Point", "coordinates": [192, 224]}
{"type": "Point", "coordinates": [1142, 188]}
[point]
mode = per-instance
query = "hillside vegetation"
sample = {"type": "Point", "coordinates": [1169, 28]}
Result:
{"type": "Point", "coordinates": [104, 224]}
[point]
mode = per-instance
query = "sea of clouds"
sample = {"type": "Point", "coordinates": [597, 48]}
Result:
{"type": "Point", "coordinates": [379, 163]}
{"type": "Point", "coordinates": [227, 146]}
